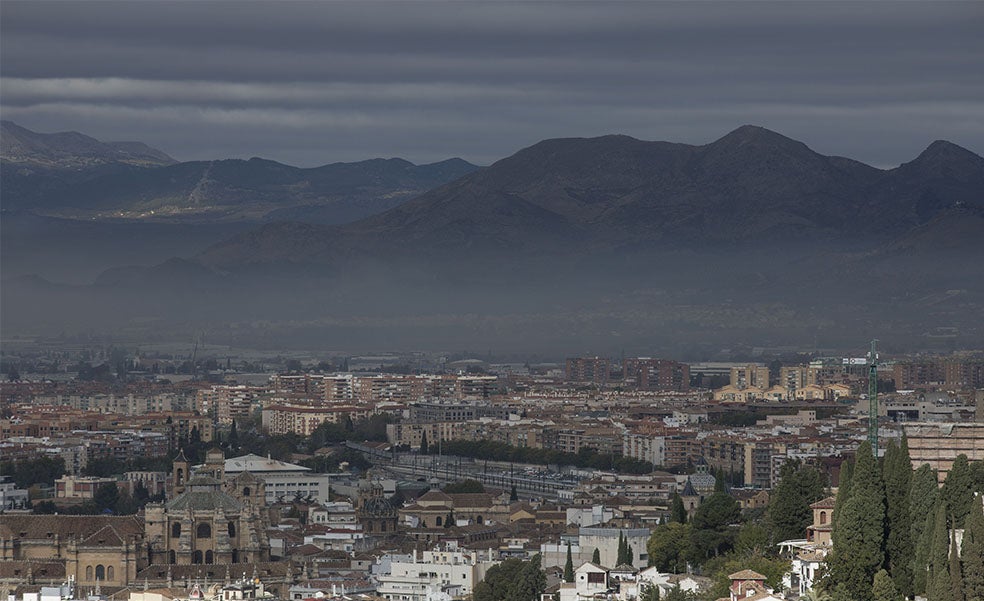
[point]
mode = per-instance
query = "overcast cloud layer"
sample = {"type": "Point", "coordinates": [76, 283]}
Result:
{"type": "Point", "coordinates": [312, 83]}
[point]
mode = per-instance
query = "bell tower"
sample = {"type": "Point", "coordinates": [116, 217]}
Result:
{"type": "Point", "coordinates": [179, 474]}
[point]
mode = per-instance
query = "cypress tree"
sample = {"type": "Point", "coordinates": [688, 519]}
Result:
{"type": "Point", "coordinates": [678, 512]}
{"type": "Point", "coordinates": [940, 587]}
{"type": "Point", "coordinates": [596, 557]}
{"type": "Point", "coordinates": [843, 490]}
{"type": "Point", "coordinates": [922, 568]}
{"type": "Point", "coordinates": [569, 566]}
{"type": "Point", "coordinates": [956, 579]}
{"type": "Point", "coordinates": [972, 553]}
{"type": "Point", "coordinates": [898, 483]}
{"type": "Point", "coordinates": [859, 535]}
{"type": "Point", "coordinates": [958, 490]}
{"type": "Point", "coordinates": [883, 588]}
{"type": "Point", "coordinates": [924, 496]}
{"type": "Point", "coordinates": [424, 447]}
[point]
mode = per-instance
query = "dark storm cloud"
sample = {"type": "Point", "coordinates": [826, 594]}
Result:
{"type": "Point", "coordinates": [308, 83]}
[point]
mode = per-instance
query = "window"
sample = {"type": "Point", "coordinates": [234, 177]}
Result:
{"type": "Point", "coordinates": [88, 571]}
{"type": "Point", "coordinates": [232, 529]}
{"type": "Point", "coordinates": [176, 530]}
{"type": "Point", "coordinates": [196, 557]}
{"type": "Point", "coordinates": [246, 492]}
{"type": "Point", "coordinates": [209, 557]}
{"type": "Point", "coordinates": [100, 572]}
{"type": "Point", "coordinates": [596, 577]}
{"type": "Point", "coordinates": [823, 517]}
{"type": "Point", "coordinates": [170, 557]}
{"type": "Point", "coordinates": [109, 573]}
{"type": "Point", "coordinates": [203, 531]}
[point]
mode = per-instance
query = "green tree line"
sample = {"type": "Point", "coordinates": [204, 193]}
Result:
{"type": "Point", "coordinates": [587, 458]}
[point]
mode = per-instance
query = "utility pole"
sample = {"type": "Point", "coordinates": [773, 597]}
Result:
{"type": "Point", "coordinates": [873, 398]}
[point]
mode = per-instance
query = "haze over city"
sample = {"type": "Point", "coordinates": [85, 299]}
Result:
{"type": "Point", "coordinates": [491, 301]}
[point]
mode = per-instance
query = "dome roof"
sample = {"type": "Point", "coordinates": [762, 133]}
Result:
{"type": "Point", "coordinates": [377, 507]}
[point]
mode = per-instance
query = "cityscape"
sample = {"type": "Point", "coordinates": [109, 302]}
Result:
{"type": "Point", "coordinates": [364, 477]}
{"type": "Point", "coordinates": [424, 300]}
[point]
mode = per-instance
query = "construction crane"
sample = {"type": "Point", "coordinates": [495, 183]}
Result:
{"type": "Point", "coordinates": [873, 398]}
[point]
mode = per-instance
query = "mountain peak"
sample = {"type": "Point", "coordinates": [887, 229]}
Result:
{"type": "Point", "coordinates": [757, 135]}
{"type": "Point", "coordinates": [946, 151]}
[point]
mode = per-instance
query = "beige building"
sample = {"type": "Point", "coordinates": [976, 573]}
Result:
{"type": "Point", "coordinates": [938, 444]}
{"type": "Point", "coordinates": [94, 549]}
{"type": "Point", "coordinates": [753, 375]}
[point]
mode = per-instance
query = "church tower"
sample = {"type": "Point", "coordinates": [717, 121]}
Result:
{"type": "Point", "coordinates": [180, 474]}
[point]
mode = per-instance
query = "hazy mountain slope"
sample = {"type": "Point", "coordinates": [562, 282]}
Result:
{"type": "Point", "coordinates": [615, 193]}
{"type": "Point", "coordinates": [71, 150]}
{"type": "Point", "coordinates": [233, 189]}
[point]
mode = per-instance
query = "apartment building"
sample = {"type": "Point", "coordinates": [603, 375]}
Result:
{"type": "Point", "coordinates": [594, 370]}
{"type": "Point", "coordinates": [657, 374]}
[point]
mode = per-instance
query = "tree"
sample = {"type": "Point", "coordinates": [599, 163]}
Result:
{"type": "Point", "coordinates": [884, 589]}
{"type": "Point", "coordinates": [498, 581]}
{"type": "Point", "coordinates": [711, 532]}
{"type": "Point", "coordinates": [789, 512]}
{"type": "Point", "coordinates": [233, 437]}
{"type": "Point", "coordinates": [897, 470]}
{"type": "Point", "coordinates": [859, 535]}
{"type": "Point", "coordinates": [939, 586]}
{"type": "Point", "coordinates": [513, 494]}
{"type": "Point", "coordinates": [923, 498]}
{"type": "Point", "coordinates": [620, 553]}
{"type": "Point", "coordinates": [752, 538]}
{"type": "Point", "coordinates": [668, 547]}
{"type": "Point", "coordinates": [922, 578]}
{"type": "Point", "coordinates": [596, 557]}
{"type": "Point", "coordinates": [569, 566]}
{"type": "Point", "coordinates": [465, 486]}
{"type": "Point", "coordinates": [530, 583]}
{"type": "Point", "coordinates": [958, 490]}
{"type": "Point", "coordinates": [972, 553]}
{"type": "Point", "coordinates": [13, 374]}
{"type": "Point", "coordinates": [678, 512]}
{"type": "Point", "coordinates": [423, 444]}
{"type": "Point", "coordinates": [650, 592]}
{"type": "Point", "coordinates": [106, 497]}
{"type": "Point", "coordinates": [843, 490]}
{"type": "Point", "coordinates": [956, 578]}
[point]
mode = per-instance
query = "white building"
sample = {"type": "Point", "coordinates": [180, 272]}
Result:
{"type": "Point", "coordinates": [590, 582]}
{"type": "Point", "coordinates": [606, 541]}
{"type": "Point", "coordinates": [433, 573]}
{"type": "Point", "coordinates": [284, 481]}
{"type": "Point", "coordinates": [12, 497]}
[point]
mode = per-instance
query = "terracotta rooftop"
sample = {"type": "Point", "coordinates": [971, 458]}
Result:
{"type": "Point", "coordinates": [746, 575]}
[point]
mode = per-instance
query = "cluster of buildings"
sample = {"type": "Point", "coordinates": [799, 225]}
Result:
{"type": "Point", "coordinates": [249, 526]}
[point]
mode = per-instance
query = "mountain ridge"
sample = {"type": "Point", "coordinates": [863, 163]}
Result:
{"type": "Point", "coordinates": [751, 185]}
{"type": "Point", "coordinates": [109, 188]}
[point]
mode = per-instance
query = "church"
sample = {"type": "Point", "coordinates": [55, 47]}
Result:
{"type": "Point", "coordinates": [208, 520]}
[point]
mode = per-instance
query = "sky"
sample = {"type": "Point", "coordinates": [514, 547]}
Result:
{"type": "Point", "coordinates": [312, 83]}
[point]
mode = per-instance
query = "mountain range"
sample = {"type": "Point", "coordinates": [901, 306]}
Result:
{"type": "Point", "coordinates": [598, 242]}
{"type": "Point", "coordinates": [70, 175]}
{"type": "Point", "coordinates": [616, 194]}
